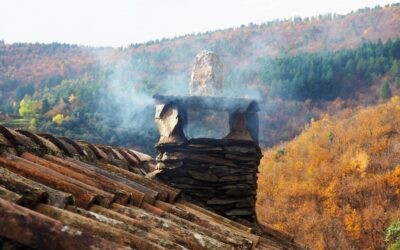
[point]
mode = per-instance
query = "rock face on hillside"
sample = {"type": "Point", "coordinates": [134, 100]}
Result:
{"type": "Point", "coordinates": [206, 75]}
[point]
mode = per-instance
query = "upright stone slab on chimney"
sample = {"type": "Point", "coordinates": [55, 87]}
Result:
{"type": "Point", "coordinates": [207, 75]}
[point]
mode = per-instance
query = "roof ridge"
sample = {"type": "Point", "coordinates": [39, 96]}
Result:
{"type": "Point", "coordinates": [42, 143]}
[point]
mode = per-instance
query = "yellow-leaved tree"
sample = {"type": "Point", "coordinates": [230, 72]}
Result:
{"type": "Point", "coordinates": [58, 119]}
{"type": "Point", "coordinates": [72, 99]}
{"type": "Point", "coordinates": [25, 107]}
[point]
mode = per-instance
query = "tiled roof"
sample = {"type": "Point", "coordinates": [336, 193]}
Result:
{"type": "Point", "coordinates": [56, 193]}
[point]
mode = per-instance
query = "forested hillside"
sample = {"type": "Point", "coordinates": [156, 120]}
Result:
{"type": "Point", "coordinates": [39, 62]}
{"type": "Point", "coordinates": [336, 186]}
{"type": "Point", "coordinates": [108, 106]}
{"type": "Point", "coordinates": [298, 69]}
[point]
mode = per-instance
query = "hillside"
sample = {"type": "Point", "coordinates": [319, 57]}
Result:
{"type": "Point", "coordinates": [336, 185]}
{"type": "Point", "coordinates": [38, 62]}
{"type": "Point", "coordinates": [298, 69]}
{"type": "Point", "coordinates": [109, 105]}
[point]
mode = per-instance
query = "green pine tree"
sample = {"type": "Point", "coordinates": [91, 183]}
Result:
{"type": "Point", "coordinates": [45, 106]}
{"type": "Point", "coordinates": [397, 82]}
{"type": "Point", "coordinates": [386, 92]}
{"type": "Point", "coordinates": [394, 70]}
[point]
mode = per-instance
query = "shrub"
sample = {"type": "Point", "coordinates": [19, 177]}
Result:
{"type": "Point", "coordinates": [393, 235]}
{"type": "Point", "coordinates": [386, 92]}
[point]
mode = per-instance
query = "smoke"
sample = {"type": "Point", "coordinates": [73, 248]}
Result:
{"type": "Point", "coordinates": [129, 101]}
{"type": "Point", "coordinates": [134, 75]}
{"type": "Point", "coordinates": [164, 67]}
{"type": "Point", "coordinates": [138, 74]}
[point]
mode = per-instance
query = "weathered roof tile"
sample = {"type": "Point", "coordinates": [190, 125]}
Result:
{"type": "Point", "coordinates": [65, 147]}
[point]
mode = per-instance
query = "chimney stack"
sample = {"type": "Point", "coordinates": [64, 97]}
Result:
{"type": "Point", "coordinates": [218, 174]}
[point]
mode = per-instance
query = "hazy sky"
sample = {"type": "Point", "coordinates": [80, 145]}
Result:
{"type": "Point", "coordinates": [122, 22]}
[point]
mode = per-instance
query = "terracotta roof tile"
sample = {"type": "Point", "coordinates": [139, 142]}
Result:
{"type": "Point", "coordinates": [76, 146]}
{"type": "Point", "coordinates": [16, 138]}
{"type": "Point", "coordinates": [97, 151]}
{"type": "Point", "coordinates": [87, 150]}
{"type": "Point", "coordinates": [130, 158]}
{"type": "Point", "coordinates": [62, 145]}
{"type": "Point", "coordinates": [77, 195]}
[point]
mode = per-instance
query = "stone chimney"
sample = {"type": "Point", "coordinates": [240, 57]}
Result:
{"type": "Point", "coordinates": [218, 174]}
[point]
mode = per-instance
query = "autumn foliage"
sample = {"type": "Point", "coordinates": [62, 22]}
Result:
{"type": "Point", "coordinates": [337, 185]}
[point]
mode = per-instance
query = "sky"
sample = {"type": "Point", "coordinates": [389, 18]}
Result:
{"type": "Point", "coordinates": [119, 23]}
